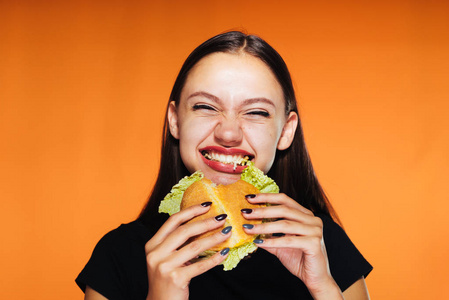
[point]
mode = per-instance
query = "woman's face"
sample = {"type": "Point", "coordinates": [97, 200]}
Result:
{"type": "Point", "coordinates": [231, 107]}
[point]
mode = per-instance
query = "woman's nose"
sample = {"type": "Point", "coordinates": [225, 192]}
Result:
{"type": "Point", "coordinates": [228, 132]}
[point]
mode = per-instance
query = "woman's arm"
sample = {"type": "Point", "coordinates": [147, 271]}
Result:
{"type": "Point", "coordinates": [91, 294]}
{"type": "Point", "coordinates": [357, 291]}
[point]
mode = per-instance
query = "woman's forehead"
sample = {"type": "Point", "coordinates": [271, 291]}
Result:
{"type": "Point", "coordinates": [233, 75]}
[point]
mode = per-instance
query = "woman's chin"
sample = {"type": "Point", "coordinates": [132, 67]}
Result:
{"type": "Point", "coordinates": [218, 177]}
{"type": "Point", "coordinates": [223, 178]}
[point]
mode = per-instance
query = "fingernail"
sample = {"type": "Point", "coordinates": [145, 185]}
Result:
{"type": "Point", "coordinates": [278, 234]}
{"type": "Point", "coordinates": [226, 230]}
{"type": "Point", "coordinates": [248, 226]}
{"type": "Point", "coordinates": [224, 251]}
{"type": "Point", "coordinates": [221, 217]}
{"type": "Point", "coordinates": [246, 210]}
{"type": "Point", "coordinates": [258, 241]}
{"type": "Point", "coordinates": [206, 204]}
{"type": "Point", "coordinates": [250, 196]}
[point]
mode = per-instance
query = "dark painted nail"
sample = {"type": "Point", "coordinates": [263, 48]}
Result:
{"type": "Point", "coordinates": [246, 210]}
{"type": "Point", "coordinates": [224, 251]}
{"type": "Point", "coordinates": [258, 241]}
{"type": "Point", "coordinates": [206, 204]}
{"type": "Point", "coordinates": [248, 226]}
{"type": "Point", "coordinates": [278, 234]}
{"type": "Point", "coordinates": [251, 196]}
{"type": "Point", "coordinates": [221, 217]}
{"type": "Point", "coordinates": [226, 230]}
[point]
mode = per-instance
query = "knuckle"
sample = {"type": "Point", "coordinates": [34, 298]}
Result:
{"type": "Point", "coordinates": [289, 241]}
{"type": "Point", "coordinates": [176, 277]}
{"type": "Point", "coordinates": [306, 211]}
{"type": "Point", "coordinates": [260, 227]}
{"type": "Point", "coordinates": [148, 247]}
{"type": "Point", "coordinates": [216, 259]}
{"type": "Point", "coordinates": [284, 210]}
{"type": "Point", "coordinates": [319, 222]}
{"type": "Point", "coordinates": [283, 196]}
{"type": "Point", "coordinates": [316, 240]}
{"type": "Point", "coordinates": [219, 237]}
{"type": "Point", "coordinates": [195, 246]}
{"type": "Point", "coordinates": [211, 223]}
{"type": "Point", "coordinates": [175, 218]}
{"type": "Point", "coordinates": [317, 231]}
{"type": "Point", "coordinates": [286, 223]}
{"type": "Point", "coordinates": [309, 212]}
{"type": "Point", "coordinates": [164, 269]}
{"type": "Point", "coordinates": [205, 265]}
{"type": "Point", "coordinates": [211, 262]}
{"type": "Point", "coordinates": [152, 259]}
{"type": "Point", "coordinates": [181, 230]}
{"type": "Point", "coordinates": [183, 215]}
{"type": "Point", "coordinates": [277, 225]}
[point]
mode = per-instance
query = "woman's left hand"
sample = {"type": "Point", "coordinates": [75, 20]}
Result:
{"type": "Point", "coordinates": [301, 250]}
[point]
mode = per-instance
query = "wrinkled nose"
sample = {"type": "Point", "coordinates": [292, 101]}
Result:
{"type": "Point", "coordinates": [228, 132]}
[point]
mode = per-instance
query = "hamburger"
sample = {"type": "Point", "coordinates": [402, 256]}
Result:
{"type": "Point", "coordinates": [226, 199]}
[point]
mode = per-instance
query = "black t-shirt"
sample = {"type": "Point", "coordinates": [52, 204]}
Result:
{"type": "Point", "coordinates": [117, 269]}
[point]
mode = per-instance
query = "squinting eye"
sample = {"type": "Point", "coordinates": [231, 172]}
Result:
{"type": "Point", "coordinates": [202, 106]}
{"type": "Point", "coordinates": [259, 113]}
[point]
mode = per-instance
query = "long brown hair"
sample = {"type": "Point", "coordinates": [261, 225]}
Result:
{"type": "Point", "coordinates": [292, 168]}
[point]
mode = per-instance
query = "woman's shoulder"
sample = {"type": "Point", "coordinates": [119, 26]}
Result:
{"type": "Point", "coordinates": [116, 268]}
{"type": "Point", "coordinates": [134, 231]}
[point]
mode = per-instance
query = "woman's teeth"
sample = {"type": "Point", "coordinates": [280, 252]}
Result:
{"type": "Point", "coordinates": [226, 159]}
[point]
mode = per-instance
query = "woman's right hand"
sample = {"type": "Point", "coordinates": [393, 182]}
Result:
{"type": "Point", "coordinates": [168, 257]}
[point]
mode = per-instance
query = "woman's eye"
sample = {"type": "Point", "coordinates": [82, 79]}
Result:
{"type": "Point", "coordinates": [202, 106]}
{"type": "Point", "coordinates": [261, 113]}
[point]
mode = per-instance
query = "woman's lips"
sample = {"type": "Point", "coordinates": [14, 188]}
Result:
{"type": "Point", "coordinates": [222, 167]}
{"type": "Point", "coordinates": [226, 160]}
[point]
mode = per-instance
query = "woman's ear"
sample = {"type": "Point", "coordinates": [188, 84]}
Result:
{"type": "Point", "coordinates": [288, 132]}
{"type": "Point", "coordinates": [172, 117]}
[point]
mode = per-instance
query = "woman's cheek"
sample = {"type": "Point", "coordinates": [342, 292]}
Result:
{"type": "Point", "coordinates": [263, 140]}
{"type": "Point", "coordinates": [196, 127]}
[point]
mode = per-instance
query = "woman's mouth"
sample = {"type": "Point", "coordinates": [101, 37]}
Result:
{"type": "Point", "coordinates": [228, 163]}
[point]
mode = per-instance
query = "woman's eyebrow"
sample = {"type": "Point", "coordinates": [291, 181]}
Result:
{"type": "Point", "coordinates": [245, 102]}
{"type": "Point", "coordinates": [258, 100]}
{"type": "Point", "coordinates": [205, 95]}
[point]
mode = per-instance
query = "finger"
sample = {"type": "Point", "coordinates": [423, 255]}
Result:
{"type": "Point", "coordinates": [308, 244]}
{"type": "Point", "coordinates": [277, 199]}
{"type": "Point", "coordinates": [204, 265]}
{"type": "Point", "coordinates": [181, 234]}
{"type": "Point", "coordinates": [281, 212]}
{"type": "Point", "coordinates": [285, 227]}
{"type": "Point", "coordinates": [196, 247]}
{"type": "Point", "coordinates": [175, 221]}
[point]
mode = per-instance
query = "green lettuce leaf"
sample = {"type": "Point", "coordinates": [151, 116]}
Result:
{"type": "Point", "coordinates": [256, 177]}
{"type": "Point", "coordinates": [172, 201]}
{"type": "Point", "coordinates": [236, 254]}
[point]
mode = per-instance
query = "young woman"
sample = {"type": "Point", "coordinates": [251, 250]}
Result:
{"type": "Point", "coordinates": [232, 98]}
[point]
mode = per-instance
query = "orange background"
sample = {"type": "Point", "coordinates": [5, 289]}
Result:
{"type": "Point", "coordinates": [83, 85]}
